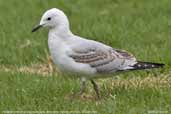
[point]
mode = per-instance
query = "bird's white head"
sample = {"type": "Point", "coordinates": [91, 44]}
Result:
{"type": "Point", "coordinates": [53, 18]}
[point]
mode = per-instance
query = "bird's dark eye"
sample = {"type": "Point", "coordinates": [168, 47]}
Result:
{"type": "Point", "coordinates": [48, 18]}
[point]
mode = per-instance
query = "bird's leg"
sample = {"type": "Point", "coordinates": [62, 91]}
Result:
{"type": "Point", "coordinates": [96, 88]}
{"type": "Point", "coordinates": [83, 86]}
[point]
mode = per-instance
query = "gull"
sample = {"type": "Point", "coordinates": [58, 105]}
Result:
{"type": "Point", "coordinates": [89, 59]}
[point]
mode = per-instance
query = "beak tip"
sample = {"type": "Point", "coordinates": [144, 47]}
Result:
{"type": "Point", "coordinates": [36, 28]}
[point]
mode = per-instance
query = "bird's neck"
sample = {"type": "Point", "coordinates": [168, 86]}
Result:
{"type": "Point", "coordinates": [61, 32]}
{"type": "Point", "coordinates": [58, 38]}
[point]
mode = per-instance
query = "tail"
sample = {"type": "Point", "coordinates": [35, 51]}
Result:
{"type": "Point", "coordinates": [146, 65]}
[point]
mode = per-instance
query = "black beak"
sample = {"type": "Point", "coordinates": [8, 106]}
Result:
{"type": "Point", "coordinates": [36, 28]}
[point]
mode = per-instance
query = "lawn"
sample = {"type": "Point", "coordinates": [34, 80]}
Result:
{"type": "Point", "coordinates": [139, 26]}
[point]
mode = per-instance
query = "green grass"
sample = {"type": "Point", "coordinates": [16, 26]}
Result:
{"type": "Point", "coordinates": [139, 26]}
{"type": "Point", "coordinates": [31, 92]}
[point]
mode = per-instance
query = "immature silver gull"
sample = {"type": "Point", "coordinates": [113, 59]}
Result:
{"type": "Point", "coordinates": [87, 58]}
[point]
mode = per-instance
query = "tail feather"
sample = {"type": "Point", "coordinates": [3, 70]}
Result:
{"type": "Point", "coordinates": [146, 65]}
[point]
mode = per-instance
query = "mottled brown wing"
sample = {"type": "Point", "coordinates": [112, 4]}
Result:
{"type": "Point", "coordinates": [94, 58]}
{"type": "Point", "coordinates": [104, 62]}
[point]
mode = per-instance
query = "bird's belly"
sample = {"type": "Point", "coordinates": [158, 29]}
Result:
{"type": "Point", "coordinates": [68, 65]}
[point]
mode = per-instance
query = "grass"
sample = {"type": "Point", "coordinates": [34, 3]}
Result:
{"type": "Point", "coordinates": [141, 27]}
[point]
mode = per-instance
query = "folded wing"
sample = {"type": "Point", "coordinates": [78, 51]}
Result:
{"type": "Point", "coordinates": [104, 60]}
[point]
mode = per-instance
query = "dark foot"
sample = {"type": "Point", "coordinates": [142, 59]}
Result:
{"type": "Point", "coordinates": [96, 88]}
